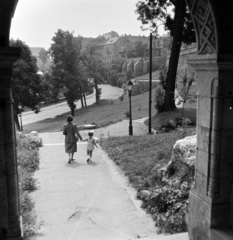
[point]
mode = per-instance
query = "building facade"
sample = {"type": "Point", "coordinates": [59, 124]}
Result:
{"type": "Point", "coordinates": [117, 48]}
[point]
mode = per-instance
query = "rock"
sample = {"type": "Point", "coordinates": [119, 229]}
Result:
{"type": "Point", "coordinates": [35, 139]}
{"type": "Point", "coordinates": [183, 158]}
{"type": "Point", "coordinates": [89, 126]}
{"type": "Point", "coordinates": [186, 121]}
{"type": "Point", "coordinates": [33, 133]}
{"type": "Point", "coordinates": [184, 150]}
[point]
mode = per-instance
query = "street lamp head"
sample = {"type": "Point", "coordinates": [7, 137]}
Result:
{"type": "Point", "coordinates": [130, 86]}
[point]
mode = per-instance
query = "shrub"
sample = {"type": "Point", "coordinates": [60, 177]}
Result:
{"type": "Point", "coordinates": [159, 99]}
{"type": "Point", "coordinates": [143, 160]}
{"type": "Point", "coordinates": [167, 203]}
{"type": "Point", "coordinates": [121, 97]}
{"type": "Point", "coordinates": [26, 180]}
{"type": "Point", "coordinates": [127, 114]}
{"type": "Point", "coordinates": [142, 87]}
{"type": "Point", "coordinates": [28, 163]}
{"type": "Point", "coordinates": [28, 159]}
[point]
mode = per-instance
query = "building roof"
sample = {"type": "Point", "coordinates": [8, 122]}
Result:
{"type": "Point", "coordinates": [137, 38]}
{"type": "Point", "coordinates": [112, 41]}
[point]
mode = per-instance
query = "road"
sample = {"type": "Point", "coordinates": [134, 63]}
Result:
{"type": "Point", "coordinates": [108, 92]}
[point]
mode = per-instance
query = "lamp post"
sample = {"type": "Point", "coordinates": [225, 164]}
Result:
{"type": "Point", "coordinates": [130, 88]}
{"type": "Point", "coordinates": [150, 85]}
{"type": "Point", "coordinates": [20, 114]}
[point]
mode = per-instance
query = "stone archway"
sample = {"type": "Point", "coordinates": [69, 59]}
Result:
{"type": "Point", "coordinates": [211, 198]}
{"type": "Point", "coordinates": [210, 211]}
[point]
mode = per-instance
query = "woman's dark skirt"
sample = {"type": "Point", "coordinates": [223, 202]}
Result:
{"type": "Point", "coordinates": [70, 147]}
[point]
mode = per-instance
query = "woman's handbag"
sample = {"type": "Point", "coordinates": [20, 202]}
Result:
{"type": "Point", "coordinates": [76, 138]}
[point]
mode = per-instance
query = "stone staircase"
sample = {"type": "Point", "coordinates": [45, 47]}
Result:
{"type": "Point", "coordinates": [221, 234]}
{"type": "Point", "coordinates": [180, 236]}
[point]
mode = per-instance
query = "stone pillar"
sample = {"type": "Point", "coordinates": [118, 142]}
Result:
{"type": "Point", "coordinates": [211, 204]}
{"type": "Point", "coordinates": [9, 195]}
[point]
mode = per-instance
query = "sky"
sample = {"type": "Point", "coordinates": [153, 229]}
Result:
{"type": "Point", "coordinates": [36, 21]}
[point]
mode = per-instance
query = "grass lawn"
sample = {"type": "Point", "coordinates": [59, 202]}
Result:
{"type": "Point", "coordinates": [141, 156]}
{"type": "Point", "coordinates": [103, 114]}
{"type": "Point", "coordinates": [142, 159]}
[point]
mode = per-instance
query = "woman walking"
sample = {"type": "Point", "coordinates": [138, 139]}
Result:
{"type": "Point", "coordinates": [71, 132]}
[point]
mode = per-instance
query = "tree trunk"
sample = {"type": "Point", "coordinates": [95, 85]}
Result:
{"type": "Point", "coordinates": [81, 97]}
{"type": "Point", "coordinates": [84, 97]}
{"type": "Point", "coordinates": [180, 9]}
{"type": "Point", "coordinates": [96, 92]}
{"type": "Point", "coordinates": [72, 111]}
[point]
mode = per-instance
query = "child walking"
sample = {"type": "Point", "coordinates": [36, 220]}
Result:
{"type": "Point", "coordinates": [91, 144]}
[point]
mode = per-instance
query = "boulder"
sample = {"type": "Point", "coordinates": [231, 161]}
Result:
{"type": "Point", "coordinates": [182, 164]}
{"type": "Point", "coordinates": [184, 150]}
{"type": "Point", "coordinates": [33, 133]}
{"type": "Point", "coordinates": [34, 138]}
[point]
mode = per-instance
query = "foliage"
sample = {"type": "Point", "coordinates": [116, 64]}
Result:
{"type": "Point", "coordinates": [121, 97]}
{"type": "Point", "coordinates": [168, 204]}
{"type": "Point", "coordinates": [28, 163]}
{"type": "Point", "coordinates": [138, 51]}
{"type": "Point", "coordinates": [159, 96]}
{"type": "Point", "coordinates": [156, 12]}
{"type": "Point", "coordinates": [52, 89]}
{"type": "Point", "coordinates": [67, 69]}
{"type": "Point", "coordinates": [95, 67]}
{"type": "Point", "coordinates": [181, 28]}
{"type": "Point", "coordinates": [127, 113]}
{"type": "Point", "coordinates": [187, 83]}
{"type": "Point", "coordinates": [159, 99]}
{"type": "Point", "coordinates": [102, 113]}
{"type": "Point", "coordinates": [142, 159]}
{"type": "Point", "coordinates": [27, 88]}
{"type": "Point", "coordinates": [138, 69]}
{"type": "Point", "coordinates": [129, 74]}
{"type": "Point", "coordinates": [142, 87]}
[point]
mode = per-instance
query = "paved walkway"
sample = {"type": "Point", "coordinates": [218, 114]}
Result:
{"type": "Point", "coordinates": [87, 201]}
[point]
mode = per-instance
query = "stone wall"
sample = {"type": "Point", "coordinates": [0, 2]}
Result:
{"type": "Point", "coordinates": [183, 67]}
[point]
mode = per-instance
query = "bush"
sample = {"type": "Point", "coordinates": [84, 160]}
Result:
{"type": "Point", "coordinates": [159, 99]}
{"type": "Point", "coordinates": [121, 97]}
{"type": "Point", "coordinates": [26, 180]}
{"type": "Point", "coordinates": [28, 163]}
{"type": "Point", "coordinates": [127, 115]}
{"type": "Point", "coordinates": [143, 160]}
{"type": "Point", "coordinates": [168, 204]}
{"type": "Point", "coordinates": [142, 87]}
{"type": "Point", "coordinates": [28, 159]}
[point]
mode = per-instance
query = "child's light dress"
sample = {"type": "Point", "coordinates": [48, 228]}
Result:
{"type": "Point", "coordinates": [90, 144]}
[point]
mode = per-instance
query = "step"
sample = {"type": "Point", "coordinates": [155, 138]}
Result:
{"type": "Point", "coordinates": [179, 236]}
{"type": "Point", "coordinates": [217, 234]}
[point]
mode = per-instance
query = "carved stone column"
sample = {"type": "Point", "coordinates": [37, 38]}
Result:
{"type": "Point", "coordinates": [210, 199]}
{"type": "Point", "coordinates": [9, 195]}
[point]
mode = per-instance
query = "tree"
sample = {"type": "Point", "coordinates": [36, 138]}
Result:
{"type": "Point", "coordinates": [94, 65]}
{"type": "Point", "coordinates": [181, 28]}
{"type": "Point", "coordinates": [67, 68]}
{"type": "Point", "coordinates": [27, 87]}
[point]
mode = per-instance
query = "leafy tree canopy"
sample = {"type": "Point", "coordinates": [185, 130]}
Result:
{"type": "Point", "coordinates": [153, 13]}
{"type": "Point", "coordinates": [67, 70]}
{"type": "Point", "coordinates": [27, 86]}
